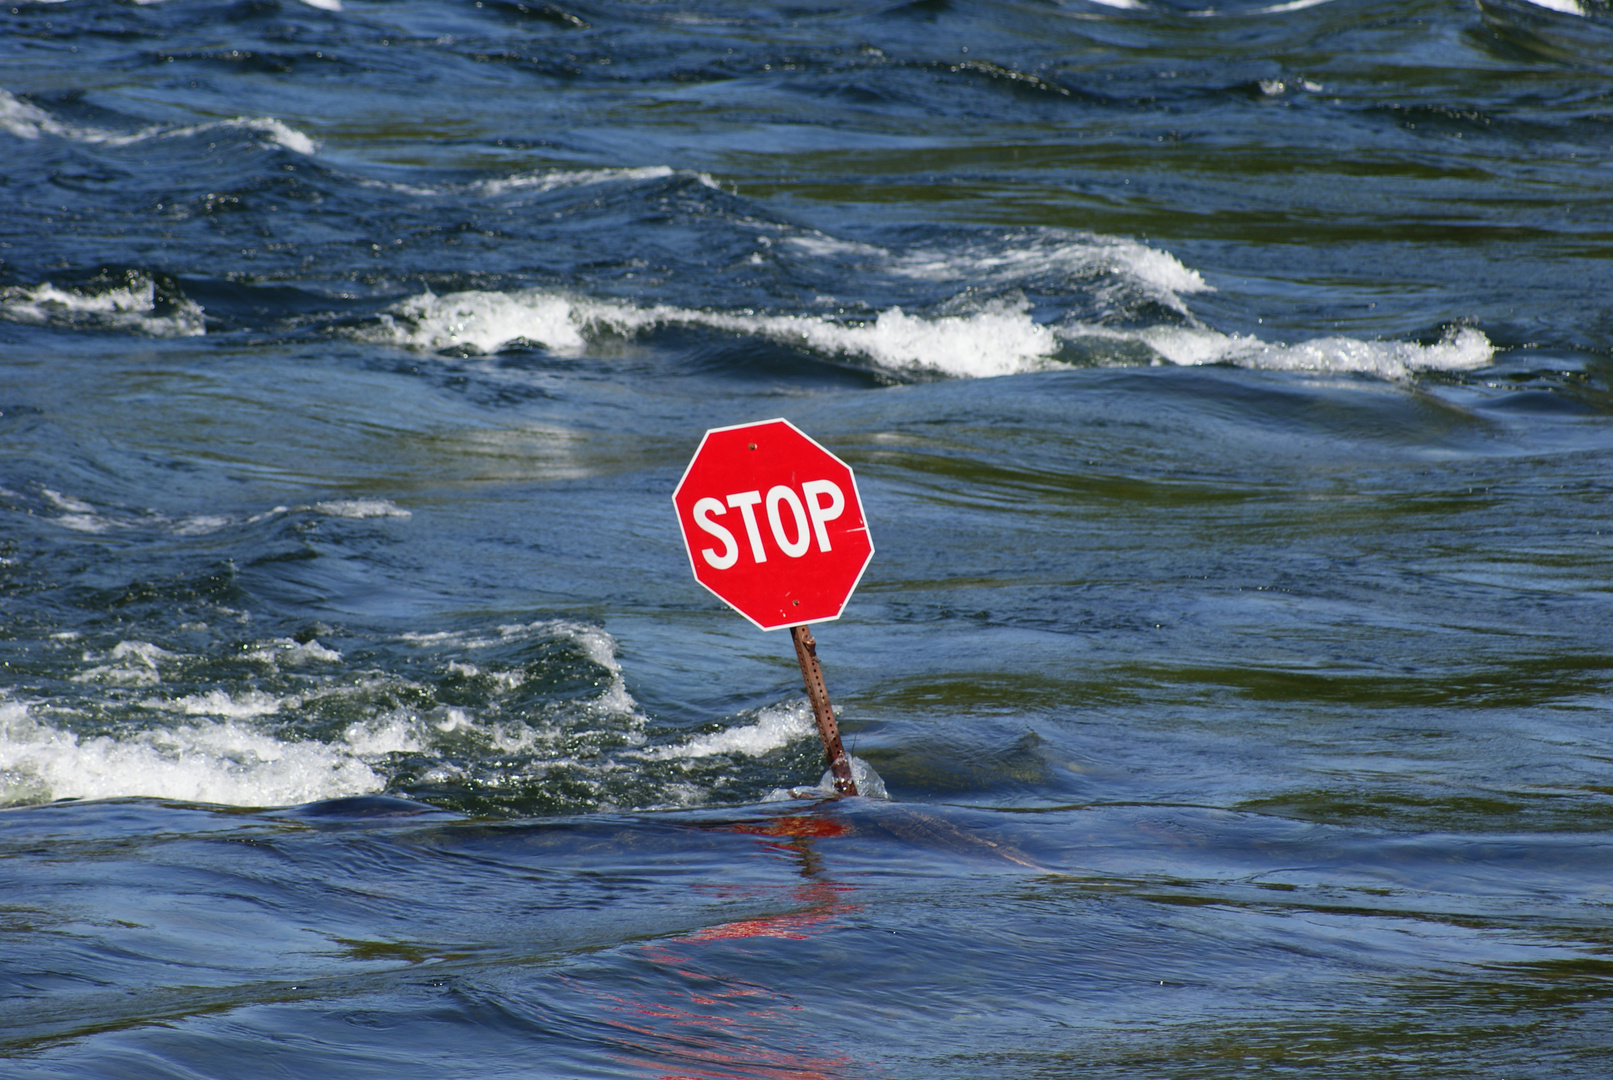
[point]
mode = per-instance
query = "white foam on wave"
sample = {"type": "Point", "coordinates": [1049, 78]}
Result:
{"type": "Point", "coordinates": [600, 647]}
{"type": "Point", "coordinates": [270, 744]}
{"type": "Point", "coordinates": [67, 502]}
{"type": "Point", "coordinates": [223, 761]}
{"type": "Point", "coordinates": [278, 132]}
{"type": "Point", "coordinates": [1461, 349]}
{"type": "Point", "coordinates": [213, 747]}
{"type": "Point", "coordinates": [223, 704]}
{"type": "Point", "coordinates": [999, 339]}
{"type": "Point", "coordinates": [1277, 87]}
{"type": "Point", "coordinates": [130, 663]}
{"type": "Point", "coordinates": [595, 643]}
{"type": "Point", "coordinates": [995, 337]}
{"type": "Point", "coordinates": [775, 727]}
{"type": "Point", "coordinates": [487, 321]}
{"type": "Point", "coordinates": [82, 516]}
{"type": "Point", "coordinates": [1567, 7]}
{"type": "Point", "coordinates": [361, 508]}
{"type": "Point", "coordinates": [870, 785]}
{"type": "Point", "coordinates": [323, 5]}
{"type": "Point", "coordinates": [390, 733]}
{"type": "Point", "coordinates": [288, 652]}
{"type": "Point", "coordinates": [823, 245]}
{"type": "Point", "coordinates": [1293, 5]}
{"type": "Point", "coordinates": [552, 179]}
{"type": "Point", "coordinates": [1013, 260]}
{"type": "Point", "coordinates": [124, 308]}
{"type": "Point", "coordinates": [1156, 272]}
{"type": "Point", "coordinates": [537, 183]}
{"type": "Point", "coordinates": [27, 121]}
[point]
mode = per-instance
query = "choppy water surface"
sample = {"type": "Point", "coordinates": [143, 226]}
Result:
{"type": "Point", "coordinates": [1229, 388]}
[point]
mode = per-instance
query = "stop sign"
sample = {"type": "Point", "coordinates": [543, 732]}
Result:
{"type": "Point", "coordinates": [773, 524]}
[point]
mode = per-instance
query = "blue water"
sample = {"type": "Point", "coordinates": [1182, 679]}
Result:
{"type": "Point", "coordinates": [1230, 390]}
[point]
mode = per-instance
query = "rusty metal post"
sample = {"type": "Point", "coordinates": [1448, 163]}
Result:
{"type": "Point", "coordinates": [806, 651]}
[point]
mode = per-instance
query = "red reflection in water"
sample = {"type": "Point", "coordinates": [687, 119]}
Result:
{"type": "Point", "coordinates": [693, 1023]}
{"type": "Point", "coordinates": [823, 904]}
{"type": "Point", "coordinates": [795, 826]}
{"type": "Point", "coordinates": [721, 1028]}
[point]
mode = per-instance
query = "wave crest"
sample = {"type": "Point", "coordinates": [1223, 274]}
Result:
{"type": "Point", "coordinates": [28, 121]}
{"type": "Point", "coordinates": [999, 337]}
{"type": "Point", "coordinates": [132, 303]}
{"type": "Point", "coordinates": [1460, 349]}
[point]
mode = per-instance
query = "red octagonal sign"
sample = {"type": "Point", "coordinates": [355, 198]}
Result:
{"type": "Point", "coordinates": [773, 524]}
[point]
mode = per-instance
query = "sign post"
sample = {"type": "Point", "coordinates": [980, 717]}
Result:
{"type": "Point", "coordinates": [774, 527]}
{"type": "Point", "coordinates": [806, 651]}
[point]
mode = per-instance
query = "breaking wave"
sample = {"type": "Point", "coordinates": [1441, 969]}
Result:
{"type": "Point", "coordinates": [28, 121]}
{"type": "Point", "coordinates": [1460, 349]}
{"type": "Point", "coordinates": [227, 761]}
{"type": "Point", "coordinates": [132, 304]}
{"type": "Point", "coordinates": [537, 183]}
{"type": "Point", "coordinates": [776, 727]}
{"type": "Point", "coordinates": [518, 716]}
{"type": "Point", "coordinates": [999, 338]}
{"type": "Point", "coordinates": [80, 515]}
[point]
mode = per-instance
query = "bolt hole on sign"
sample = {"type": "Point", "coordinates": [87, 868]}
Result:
{"type": "Point", "coordinates": [773, 524]}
